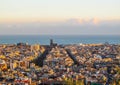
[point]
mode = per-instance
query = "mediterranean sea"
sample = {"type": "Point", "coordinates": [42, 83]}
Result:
{"type": "Point", "coordinates": [60, 39]}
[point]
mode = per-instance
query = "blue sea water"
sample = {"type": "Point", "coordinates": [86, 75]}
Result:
{"type": "Point", "coordinates": [60, 39]}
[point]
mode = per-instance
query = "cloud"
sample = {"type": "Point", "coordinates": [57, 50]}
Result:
{"type": "Point", "coordinates": [79, 21]}
{"type": "Point", "coordinates": [75, 26]}
{"type": "Point", "coordinates": [95, 21]}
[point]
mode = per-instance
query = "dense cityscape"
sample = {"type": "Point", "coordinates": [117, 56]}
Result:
{"type": "Point", "coordinates": [72, 64]}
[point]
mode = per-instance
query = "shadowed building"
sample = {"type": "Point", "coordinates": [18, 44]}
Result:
{"type": "Point", "coordinates": [52, 44]}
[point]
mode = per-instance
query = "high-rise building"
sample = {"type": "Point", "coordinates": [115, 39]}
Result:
{"type": "Point", "coordinates": [51, 42]}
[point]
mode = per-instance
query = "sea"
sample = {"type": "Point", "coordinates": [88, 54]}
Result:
{"type": "Point", "coordinates": [59, 39]}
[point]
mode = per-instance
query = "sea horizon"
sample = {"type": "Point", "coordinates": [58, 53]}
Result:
{"type": "Point", "coordinates": [60, 39]}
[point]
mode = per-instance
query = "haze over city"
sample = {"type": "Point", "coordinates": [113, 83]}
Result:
{"type": "Point", "coordinates": [59, 17]}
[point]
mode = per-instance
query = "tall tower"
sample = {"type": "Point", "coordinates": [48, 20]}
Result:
{"type": "Point", "coordinates": [51, 42]}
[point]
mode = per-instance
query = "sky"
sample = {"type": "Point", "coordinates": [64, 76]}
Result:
{"type": "Point", "coordinates": [59, 17]}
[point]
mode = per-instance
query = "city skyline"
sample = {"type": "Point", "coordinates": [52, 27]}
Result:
{"type": "Point", "coordinates": [52, 17]}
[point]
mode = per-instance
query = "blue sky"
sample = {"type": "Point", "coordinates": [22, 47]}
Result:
{"type": "Point", "coordinates": [62, 17]}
